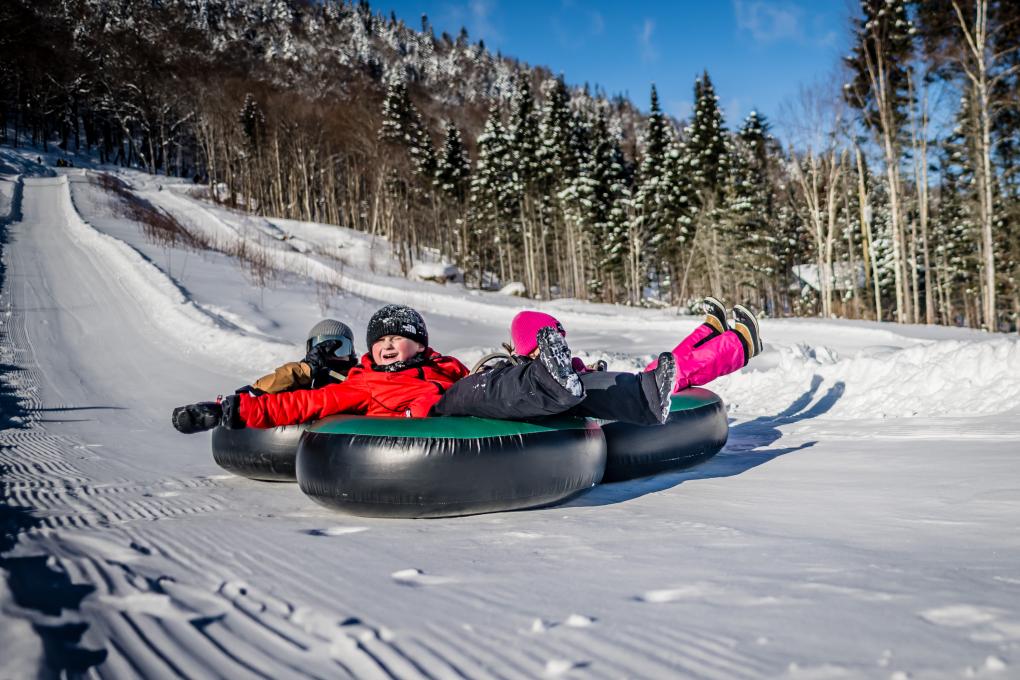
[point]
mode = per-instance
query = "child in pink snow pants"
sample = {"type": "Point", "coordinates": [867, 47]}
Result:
{"type": "Point", "coordinates": [548, 381]}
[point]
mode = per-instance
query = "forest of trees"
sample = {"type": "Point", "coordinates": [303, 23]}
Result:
{"type": "Point", "coordinates": [895, 197]}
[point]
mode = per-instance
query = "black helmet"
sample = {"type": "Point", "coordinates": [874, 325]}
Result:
{"type": "Point", "coordinates": [331, 329]}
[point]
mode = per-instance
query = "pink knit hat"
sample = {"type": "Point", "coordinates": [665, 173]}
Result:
{"type": "Point", "coordinates": [524, 330]}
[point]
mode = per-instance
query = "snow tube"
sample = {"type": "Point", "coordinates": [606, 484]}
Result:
{"type": "Point", "coordinates": [266, 455]}
{"type": "Point", "coordinates": [441, 467]}
{"type": "Point", "coordinates": [695, 431]}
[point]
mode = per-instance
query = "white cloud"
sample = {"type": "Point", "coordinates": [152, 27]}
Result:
{"type": "Point", "coordinates": [769, 21]}
{"type": "Point", "coordinates": [649, 52]}
{"type": "Point", "coordinates": [476, 17]}
{"type": "Point", "coordinates": [481, 15]}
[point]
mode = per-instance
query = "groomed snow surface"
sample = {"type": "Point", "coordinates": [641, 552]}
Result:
{"type": "Point", "coordinates": [861, 522]}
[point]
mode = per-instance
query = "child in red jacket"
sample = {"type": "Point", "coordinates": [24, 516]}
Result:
{"type": "Point", "coordinates": [400, 376]}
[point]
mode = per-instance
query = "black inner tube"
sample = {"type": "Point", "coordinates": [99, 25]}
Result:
{"type": "Point", "coordinates": [696, 430]}
{"type": "Point", "coordinates": [266, 455]}
{"type": "Point", "coordinates": [441, 467]}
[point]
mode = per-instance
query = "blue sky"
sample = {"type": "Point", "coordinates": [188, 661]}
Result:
{"type": "Point", "coordinates": [758, 52]}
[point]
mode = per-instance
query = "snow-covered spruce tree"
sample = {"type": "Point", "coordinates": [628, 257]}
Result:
{"type": "Point", "coordinates": [577, 198]}
{"type": "Point", "coordinates": [708, 147]}
{"type": "Point", "coordinates": [958, 243]}
{"type": "Point", "coordinates": [649, 220]}
{"type": "Point", "coordinates": [879, 65]}
{"type": "Point", "coordinates": [492, 200]}
{"type": "Point", "coordinates": [253, 121]}
{"type": "Point", "coordinates": [402, 127]}
{"type": "Point", "coordinates": [954, 241]}
{"type": "Point", "coordinates": [412, 200]}
{"type": "Point", "coordinates": [882, 227]}
{"type": "Point", "coordinates": [531, 205]}
{"type": "Point", "coordinates": [751, 225]}
{"type": "Point", "coordinates": [610, 197]}
{"type": "Point", "coordinates": [558, 164]}
{"type": "Point", "coordinates": [453, 174]}
{"type": "Point", "coordinates": [679, 204]}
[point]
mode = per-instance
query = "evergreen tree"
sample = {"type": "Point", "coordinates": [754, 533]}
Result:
{"type": "Point", "coordinates": [558, 164]}
{"type": "Point", "coordinates": [453, 169]}
{"type": "Point", "coordinates": [648, 221]}
{"type": "Point", "coordinates": [402, 127]}
{"type": "Point", "coordinates": [751, 205]}
{"type": "Point", "coordinates": [453, 173]}
{"type": "Point", "coordinates": [708, 152]}
{"type": "Point", "coordinates": [492, 198]}
{"type": "Point", "coordinates": [577, 199]}
{"type": "Point", "coordinates": [679, 203]}
{"type": "Point", "coordinates": [253, 121]}
{"type": "Point", "coordinates": [523, 131]}
{"type": "Point", "coordinates": [954, 236]}
{"type": "Point", "coordinates": [526, 174]}
{"type": "Point", "coordinates": [706, 138]}
{"type": "Point", "coordinates": [553, 153]}
{"type": "Point", "coordinates": [610, 204]}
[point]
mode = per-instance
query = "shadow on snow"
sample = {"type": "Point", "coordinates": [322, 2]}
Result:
{"type": "Point", "coordinates": [32, 582]}
{"type": "Point", "coordinates": [746, 448]}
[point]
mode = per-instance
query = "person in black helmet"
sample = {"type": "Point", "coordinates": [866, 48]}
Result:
{"type": "Point", "coordinates": [329, 354]}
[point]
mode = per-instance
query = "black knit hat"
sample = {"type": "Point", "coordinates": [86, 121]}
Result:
{"type": "Point", "coordinates": [397, 320]}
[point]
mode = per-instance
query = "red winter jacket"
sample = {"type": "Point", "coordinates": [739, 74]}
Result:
{"type": "Point", "coordinates": [408, 393]}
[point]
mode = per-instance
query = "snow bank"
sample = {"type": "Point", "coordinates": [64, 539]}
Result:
{"type": "Point", "coordinates": [170, 309]}
{"type": "Point", "coordinates": [440, 272]}
{"type": "Point", "coordinates": [944, 378]}
{"type": "Point", "coordinates": [8, 186]}
{"type": "Point", "coordinates": [515, 288]}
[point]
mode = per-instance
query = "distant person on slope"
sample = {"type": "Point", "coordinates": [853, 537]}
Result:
{"type": "Point", "coordinates": [329, 355]}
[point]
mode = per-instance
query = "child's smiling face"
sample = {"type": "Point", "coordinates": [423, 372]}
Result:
{"type": "Point", "coordinates": [389, 349]}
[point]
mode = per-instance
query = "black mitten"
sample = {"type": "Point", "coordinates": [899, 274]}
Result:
{"type": "Point", "coordinates": [249, 389]}
{"type": "Point", "coordinates": [231, 418]}
{"type": "Point", "coordinates": [198, 417]}
{"type": "Point", "coordinates": [318, 357]}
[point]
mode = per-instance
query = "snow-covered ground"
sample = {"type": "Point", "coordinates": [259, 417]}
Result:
{"type": "Point", "coordinates": [861, 522]}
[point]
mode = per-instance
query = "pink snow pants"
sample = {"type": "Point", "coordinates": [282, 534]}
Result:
{"type": "Point", "coordinates": [705, 355]}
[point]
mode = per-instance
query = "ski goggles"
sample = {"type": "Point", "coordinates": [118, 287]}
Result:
{"type": "Point", "coordinates": [345, 348]}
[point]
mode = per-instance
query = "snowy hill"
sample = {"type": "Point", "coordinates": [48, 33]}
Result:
{"type": "Point", "coordinates": [861, 521]}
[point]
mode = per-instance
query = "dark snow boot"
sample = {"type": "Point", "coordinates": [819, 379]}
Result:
{"type": "Point", "coordinates": [555, 356]}
{"type": "Point", "coordinates": [746, 326]}
{"type": "Point", "coordinates": [715, 314]}
{"type": "Point", "coordinates": [665, 378]}
{"type": "Point", "coordinates": [197, 417]}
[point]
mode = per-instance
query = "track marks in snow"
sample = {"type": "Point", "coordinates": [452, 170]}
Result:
{"type": "Point", "coordinates": [979, 623]}
{"type": "Point", "coordinates": [336, 531]}
{"type": "Point", "coordinates": [572, 621]}
{"type": "Point", "coordinates": [707, 592]}
{"type": "Point", "coordinates": [416, 577]}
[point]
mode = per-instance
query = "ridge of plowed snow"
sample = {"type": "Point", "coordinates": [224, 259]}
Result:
{"type": "Point", "coordinates": [171, 310]}
{"type": "Point", "coordinates": [944, 378]}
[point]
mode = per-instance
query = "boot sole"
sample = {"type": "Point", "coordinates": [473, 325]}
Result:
{"type": "Point", "coordinates": [742, 314]}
